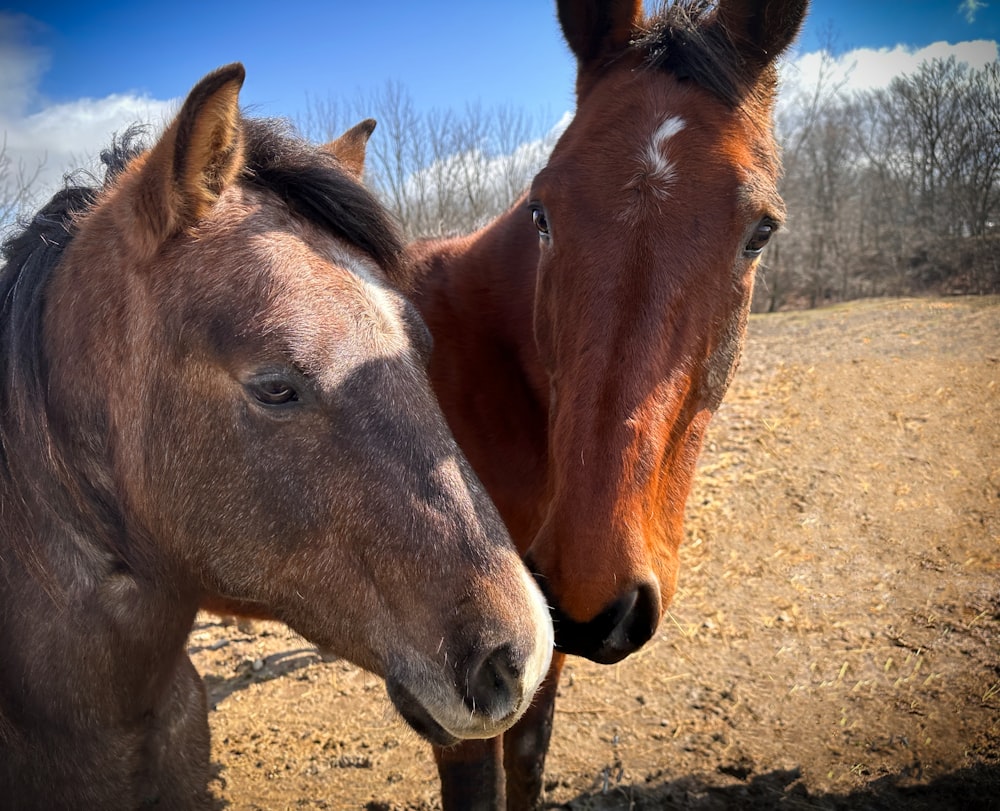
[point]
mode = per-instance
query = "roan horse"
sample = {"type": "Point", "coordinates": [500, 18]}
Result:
{"type": "Point", "coordinates": [584, 339]}
{"type": "Point", "coordinates": [211, 390]}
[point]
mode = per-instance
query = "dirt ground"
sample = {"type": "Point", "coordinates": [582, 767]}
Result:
{"type": "Point", "coordinates": [835, 640]}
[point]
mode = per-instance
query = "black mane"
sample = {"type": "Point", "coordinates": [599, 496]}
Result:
{"type": "Point", "coordinates": [681, 38]}
{"type": "Point", "coordinates": [29, 258]}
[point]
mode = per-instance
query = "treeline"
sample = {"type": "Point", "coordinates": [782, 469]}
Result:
{"type": "Point", "coordinates": [889, 192]}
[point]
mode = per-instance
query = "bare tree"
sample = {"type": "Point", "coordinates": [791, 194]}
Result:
{"type": "Point", "coordinates": [810, 127]}
{"type": "Point", "coordinates": [972, 153]}
{"type": "Point", "coordinates": [16, 182]}
{"type": "Point", "coordinates": [932, 143]}
{"type": "Point", "coordinates": [889, 192]}
{"type": "Point", "coordinates": [439, 172]}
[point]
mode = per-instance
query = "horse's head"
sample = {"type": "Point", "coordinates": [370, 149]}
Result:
{"type": "Point", "coordinates": [651, 215]}
{"type": "Point", "coordinates": [245, 393]}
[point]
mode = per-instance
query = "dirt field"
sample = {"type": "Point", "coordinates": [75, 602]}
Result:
{"type": "Point", "coordinates": [835, 640]}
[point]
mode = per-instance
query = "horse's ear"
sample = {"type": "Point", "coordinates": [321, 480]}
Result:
{"type": "Point", "coordinates": [761, 29]}
{"type": "Point", "coordinates": [199, 155]}
{"type": "Point", "coordinates": [595, 29]}
{"type": "Point", "coordinates": [349, 148]}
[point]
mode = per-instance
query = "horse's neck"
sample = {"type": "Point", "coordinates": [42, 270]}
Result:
{"type": "Point", "coordinates": [70, 563]}
{"type": "Point", "coordinates": [94, 679]}
{"type": "Point", "coordinates": [476, 294]}
{"type": "Point", "coordinates": [86, 626]}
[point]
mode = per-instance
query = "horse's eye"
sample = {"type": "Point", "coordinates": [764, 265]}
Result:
{"type": "Point", "coordinates": [538, 218]}
{"type": "Point", "coordinates": [761, 235]}
{"type": "Point", "coordinates": [274, 392]}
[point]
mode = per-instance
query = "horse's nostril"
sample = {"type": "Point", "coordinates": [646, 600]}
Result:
{"type": "Point", "coordinates": [638, 614]}
{"type": "Point", "coordinates": [623, 627]}
{"type": "Point", "coordinates": [493, 686]}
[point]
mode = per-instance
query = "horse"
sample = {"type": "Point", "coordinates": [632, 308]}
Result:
{"type": "Point", "coordinates": [584, 338]}
{"type": "Point", "coordinates": [212, 388]}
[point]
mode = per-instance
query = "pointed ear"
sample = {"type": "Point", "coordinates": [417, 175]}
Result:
{"type": "Point", "coordinates": [349, 148]}
{"type": "Point", "coordinates": [761, 29]}
{"type": "Point", "coordinates": [201, 153]}
{"type": "Point", "coordinates": [595, 29]}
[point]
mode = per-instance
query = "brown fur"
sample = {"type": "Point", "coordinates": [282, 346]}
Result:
{"type": "Point", "coordinates": [579, 369]}
{"type": "Point", "coordinates": [210, 390]}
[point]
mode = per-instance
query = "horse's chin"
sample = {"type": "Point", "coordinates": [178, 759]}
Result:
{"type": "Point", "coordinates": [417, 716]}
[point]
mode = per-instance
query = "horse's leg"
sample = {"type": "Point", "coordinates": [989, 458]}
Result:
{"type": "Point", "coordinates": [472, 772]}
{"type": "Point", "coordinates": [178, 751]}
{"type": "Point", "coordinates": [471, 775]}
{"type": "Point", "coordinates": [527, 742]}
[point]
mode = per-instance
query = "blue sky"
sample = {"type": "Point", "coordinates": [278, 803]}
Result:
{"type": "Point", "coordinates": [73, 72]}
{"type": "Point", "coordinates": [445, 54]}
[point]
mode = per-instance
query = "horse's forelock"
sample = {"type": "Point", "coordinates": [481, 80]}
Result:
{"type": "Point", "coordinates": [315, 186]}
{"type": "Point", "coordinates": [679, 38]}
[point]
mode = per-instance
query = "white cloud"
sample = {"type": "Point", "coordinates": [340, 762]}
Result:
{"type": "Point", "coordinates": [58, 138]}
{"type": "Point", "coordinates": [65, 137]}
{"type": "Point", "coordinates": [970, 8]}
{"type": "Point", "coordinates": [869, 69]}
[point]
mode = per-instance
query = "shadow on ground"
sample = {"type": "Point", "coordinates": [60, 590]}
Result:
{"type": "Point", "coordinates": [972, 789]}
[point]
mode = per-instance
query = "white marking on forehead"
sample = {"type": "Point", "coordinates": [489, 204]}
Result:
{"type": "Point", "coordinates": [659, 172]}
{"type": "Point", "coordinates": [654, 176]}
{"type": "Point", "coordinates": [339, 314]}
{"type": "Point", "coordinates": [387, 333]}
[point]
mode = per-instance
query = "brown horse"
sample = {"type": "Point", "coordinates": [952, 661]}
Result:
{"type": "Point", "coordinates": [211, 390]}
{"type": "Point", "coordinates": [584, 339]}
